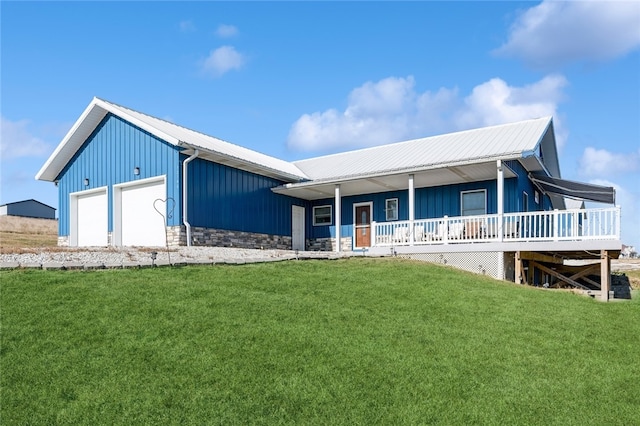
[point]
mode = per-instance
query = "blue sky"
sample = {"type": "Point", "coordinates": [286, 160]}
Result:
{"type": "Point", "coordinates": [296, 80]}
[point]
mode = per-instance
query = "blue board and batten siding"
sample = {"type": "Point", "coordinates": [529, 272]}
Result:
{"type": "Point", "coordinates": [219, 196]}
{"type": "Point", "coordinates": [108, 157]}
{"type": "Point", "coordinates": [431, 202]}
{"type": "Point", "coordinates": [515, 187]}
{"type": "Point", "coordinates": [223, 197]}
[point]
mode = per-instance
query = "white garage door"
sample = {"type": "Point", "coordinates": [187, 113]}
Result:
{"type": "Point", "coordinates": [141, 223]}
{"type": "Point", "coordinates": [91, 219]}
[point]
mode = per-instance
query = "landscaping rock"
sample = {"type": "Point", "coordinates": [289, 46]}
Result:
{"type": "Point", "coordinates": [52, 265]}
{"type": "Point", "coordinates": [9, 265]}
{"type": "Point", "coordinates": [73, 265]}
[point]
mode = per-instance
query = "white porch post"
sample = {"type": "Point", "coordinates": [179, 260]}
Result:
{"type": "Point", "coordinates": [500, 198]}
{"type": "Point", "coordinates": [337, 217]}
{"type": "Point", "coordinates": [412, 210]}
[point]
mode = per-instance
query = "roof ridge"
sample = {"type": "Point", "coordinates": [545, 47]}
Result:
{"type": "Point", "coordinates": [167, 121]}
{"type": "Point", "coordinates": [278, 165]}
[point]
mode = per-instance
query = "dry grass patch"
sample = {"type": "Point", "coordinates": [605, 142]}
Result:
{"type": "Point", "coordinates": [630, 268]}
{"type": "Point", "coordinates": [25, 232]}
{"type": "Point", "coordinates": [634, 278]}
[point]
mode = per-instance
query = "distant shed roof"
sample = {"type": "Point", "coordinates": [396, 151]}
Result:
{"type": "Point", "coordinates": [31, 200]}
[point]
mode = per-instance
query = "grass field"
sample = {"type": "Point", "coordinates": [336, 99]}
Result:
{"type": "Point", "coordinates": [358, 341]}
{"type": "Point", "coordinates": [25, 232]}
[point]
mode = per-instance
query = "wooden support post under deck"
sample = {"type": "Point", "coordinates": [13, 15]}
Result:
{"type": "Point", "coordinates": [605, 275]}
{"type": "Point", "coordinates": [518, 268]}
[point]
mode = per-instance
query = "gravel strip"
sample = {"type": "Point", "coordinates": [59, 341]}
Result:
{"type": "Point", "coordinates": [96, 258]}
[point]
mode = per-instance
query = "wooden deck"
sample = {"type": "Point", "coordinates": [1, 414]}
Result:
{"type": "Point", "coordinates": [564, 229]}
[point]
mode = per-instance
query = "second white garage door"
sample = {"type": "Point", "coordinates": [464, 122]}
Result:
{"type": "Point", "coordinates": [140, 223]}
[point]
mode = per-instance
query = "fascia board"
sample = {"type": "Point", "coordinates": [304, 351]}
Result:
{"type": "Point", "coordinates": [45, 172]}
{"type": "Point", "coordinates": [539, 148]}
{"type": "Point", "coordinates": [73, 141]}
{"type": "Point", "coordinates": [137, 122]}
{"type": "Point", "coordinates": [278, 174]}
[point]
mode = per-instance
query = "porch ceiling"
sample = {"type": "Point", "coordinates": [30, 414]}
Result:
{"type": "Point", "coordinates": [355, 185]}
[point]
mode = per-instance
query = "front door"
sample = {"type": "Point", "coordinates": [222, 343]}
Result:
{"type": "Point", "coordinates": [362, 221]}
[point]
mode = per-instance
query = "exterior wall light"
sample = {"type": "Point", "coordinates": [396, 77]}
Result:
{"type": "Point", "coordinates": [86, 181]}
{"type": "Point", "coordinates": [136, 170]}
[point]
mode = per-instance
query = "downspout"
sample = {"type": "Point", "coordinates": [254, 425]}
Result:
{"type": "Point", "coordinates": [185, 221]}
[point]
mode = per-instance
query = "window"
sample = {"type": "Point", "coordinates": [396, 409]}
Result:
{"type": "Point", "coordinates": [473, 203]}
{"type": "Point", "coordinates": [525, 202]}
{"type": "Point", "coordinates": [391, 208]}
{"type": "Point", "coordinates": [322, 215]}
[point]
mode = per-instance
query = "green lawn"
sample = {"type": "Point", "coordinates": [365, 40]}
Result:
{"type": "Point", "coordinates": [359, 341]}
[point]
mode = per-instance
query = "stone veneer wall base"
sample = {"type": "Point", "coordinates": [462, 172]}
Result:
{"type": "Point", "coordinates": [177, 236]}
{"type": "Point", "coordinates": [328, 244]}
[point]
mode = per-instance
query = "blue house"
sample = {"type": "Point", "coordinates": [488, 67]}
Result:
{"type": "Point", "coordinates": [475, 197]}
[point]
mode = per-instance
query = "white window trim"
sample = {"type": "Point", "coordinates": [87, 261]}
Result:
{"type": "Point", "coordinates": [462, 193]}
{"type": "Point", "coordinates": [315, 223]}
{"type": "Point", "coordinates": [386, 209]}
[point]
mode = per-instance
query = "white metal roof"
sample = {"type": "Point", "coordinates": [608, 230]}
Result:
{"type": "Point", "coordinates": [461, 155]}
{"type": "Point", "coordinates": [214, 148]}
{"type": "Point", "coordinates": [507, 141]}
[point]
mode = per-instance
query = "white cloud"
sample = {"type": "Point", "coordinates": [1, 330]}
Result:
{"type": "Point", "coordinates": [187, 26]}
{"type": "Point", "coordinates": [495, 102]}
{"type": "Point", "coordinates": [559, 32]}
{"type": "Point", "coordinates": [391, 110]}
{"type": "Point", "coordinates": [226, 31]}
{"type": "Point", "coordinates": [600, 162]}
{"type": "Point", "coordinates": [222, 60]}
{"type": "Point", "coordinates": [17, 141]}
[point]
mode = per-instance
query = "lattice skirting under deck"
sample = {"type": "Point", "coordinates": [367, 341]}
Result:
{"type": "Point", "coordinates": [496, 264]}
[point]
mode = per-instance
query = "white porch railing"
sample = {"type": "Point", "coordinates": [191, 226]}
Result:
{"type": "Point", "coordinates": [556, 225]}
